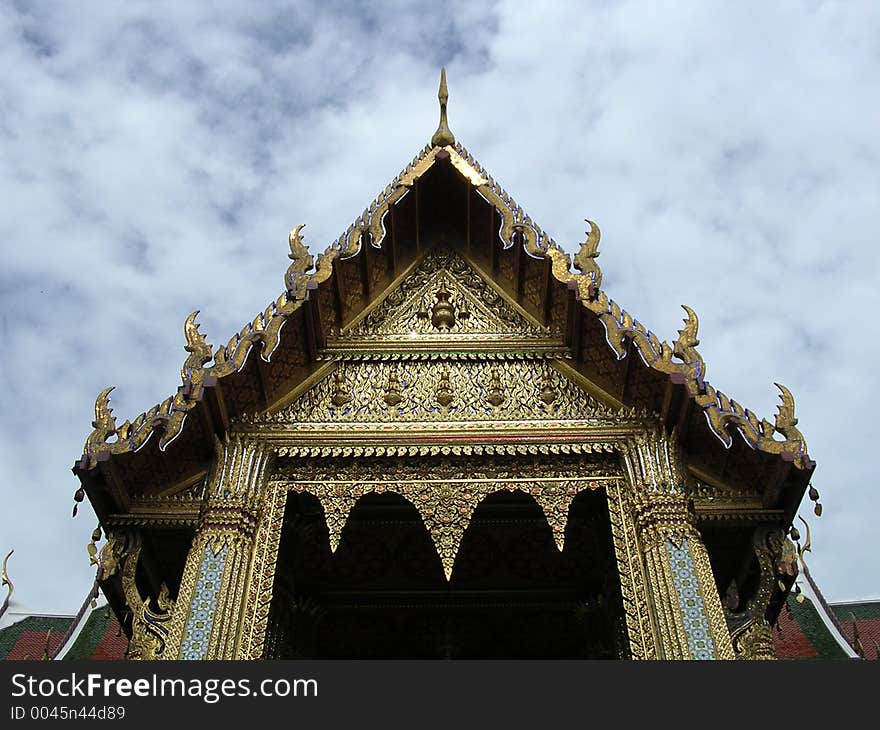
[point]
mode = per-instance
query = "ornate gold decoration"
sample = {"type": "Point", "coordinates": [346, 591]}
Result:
{"type": "Point", "coordinates": [770, 547]}
{"type": "Point", "coordinates": [149, 620]}
{"type": "Point", "coordinates": [230, 518]}
{"type": "Point", "coordinates": [721, 412]}
{"type": "Point", "coordinates": [110, 555]}
{"type": "Point", "coordinates": [330, 477]}
{"type": "Point", "coordinates": [661, 517]}
{"type": "Point", "coordinates": [296, 279]}
{"type": "Point", "coordinates": [465, 305]}
{"type": "Point", "coordinates": [640, 625]}
{"type": "Point", "coordinates": [443, 136]}
{"type": "Point", "coordinates": [788, 560]}
{"type": "Point", "coordinates": [785, 418]}
{"type": "Point", "coordinates": [754, 640]}
{"type": "Point", "coordinates": [444, 395]}
{"type": "Point", "coordinates": [393, 395]}
{"type": "Point", "coordinates": [495, 394]}
{"type": "Point", "coordinates": [445, 504]}
{"type": "Point", "coordinates": [545, 447]}
{"type": "Point", "coordinates": [652, 464]}
{"type": "Point", "coordinates": [6, 582]}
{"type": "Point", "coordinates": [104, 426]}
{"type": "Point", "coordinates": [199, 351]}
{"type": "Point", "coordinates": [481, 395]}
{"type": "Point", "coordinates": [685, 347]}
{"type": "Point", "coordinates": [442, 313]}
{"type": "Point", "coordinates": [548, 391]}
{"type": "Point", "coordinates": [262, 576]}
{"type": "Point", "coordinates": [664, 521]}
{"type": "Point", "coordinates": [341, 393]}
{"type": "Point", "coordinates": [240, 470]}
{"type": "Point", "coordinates": [585, 259]}
{"type": "Point", "coordinates": [92, 547]}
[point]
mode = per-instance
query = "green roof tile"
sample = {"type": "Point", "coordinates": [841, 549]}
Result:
{"type": "Point", "coordinates": [39, 624]}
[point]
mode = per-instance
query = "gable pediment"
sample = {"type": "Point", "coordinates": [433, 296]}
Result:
{"type": "Point", "coordinates": [443, 302]}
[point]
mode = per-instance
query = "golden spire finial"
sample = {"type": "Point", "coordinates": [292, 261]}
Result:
{"type": "Point", "coordinates": [443, 136]}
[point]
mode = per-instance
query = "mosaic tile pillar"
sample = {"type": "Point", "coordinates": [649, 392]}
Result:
{"type": "Point", "coordinates": [687, 607]}
{"type": "Point", "coordinates": [200, 622]}
{"type": "Point", "coordinates": [689, 621]}
{"type": "Point", "coordinates": [211, 602]}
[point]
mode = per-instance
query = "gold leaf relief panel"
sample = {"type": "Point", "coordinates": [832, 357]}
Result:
{"type": "Point", "coordinates": [430, 391]}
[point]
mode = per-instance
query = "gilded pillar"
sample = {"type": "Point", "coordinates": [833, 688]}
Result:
{"type": "Point", "coordinates": [686, 606]}
{"type": "Point", "coordinates": [207, 622]}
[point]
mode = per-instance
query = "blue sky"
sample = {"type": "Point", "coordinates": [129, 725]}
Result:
{"type": "Point", "coordinates": [153, 157]}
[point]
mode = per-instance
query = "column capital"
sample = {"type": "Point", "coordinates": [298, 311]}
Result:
{"type": "Point", "coordinates": [229, 520]}
{"type": "Point", "coordinates": [662, 516]}
{"type": "Point", "coordinates": [240, 466]}
{"type": "Point", "coordinates": [652, 460]}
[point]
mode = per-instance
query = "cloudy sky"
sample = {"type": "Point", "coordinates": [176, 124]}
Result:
{"type": "Point", "coordinates": [153, 157]}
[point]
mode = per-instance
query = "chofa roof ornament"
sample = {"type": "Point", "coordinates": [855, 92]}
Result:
{"type": "Point", "coordinates": [443, 136]}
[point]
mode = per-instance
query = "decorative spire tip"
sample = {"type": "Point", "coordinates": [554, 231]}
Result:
{"type": "Point", "coordinates": [443, 136]}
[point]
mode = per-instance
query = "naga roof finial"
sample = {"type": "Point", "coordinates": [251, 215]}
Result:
{"type": "Point", "coordinates": [585, 259]}
{"type": "Point", "coordinates": [443, 136]}
{"type": "Point", "coordinates": [4, 580]}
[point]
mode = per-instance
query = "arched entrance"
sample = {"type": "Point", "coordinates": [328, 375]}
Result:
{"type": "Point", "coordinates": [383, 593]}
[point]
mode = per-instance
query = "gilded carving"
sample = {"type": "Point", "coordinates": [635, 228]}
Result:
{"type": "Point", "coordinates": [443, 297]}
{"type": "Point", "coordinates": [199, 351]}
{"type": "Point", "coordinates": [443, 310]}
{"type": "Point", "coordinates": [262, 576]}
{"type": "Point", "coordinates": [754, 641]}
{"type": "Point", "coordinates": [393, 395]}
{"type": "Point", "coordinates": [341, 392]}
{"type": "Point", "coordinates": [506, 390]}
{"type": "Point", "coordinates": [443, 136]}
{"type": "Point", "coordinates": [585, 259]}
{"type": "Point", "coordinates": [296, 279]}
{"type": "Point", "coordinates": [104, 426]}
{"type": "Point", "coordinates": [721, 412]}
{"type": "Point", "coordinates": [495, 391]}
{"type": "Point", "coordinates": [449, 357]}
{"type": "Point", "coordinates": [661, 517]}
{"type": "Point", "coordinates": [444, 394]}
{"type": "Point", "coordinates": [773, 553]}
{"type": "Point", "coordinates": [445, 499]}
{"type": "Point", "coordinates": [666, 529]}
{"type": "Point", "coordinates": [785, 418]}
{"type": "Point", "coordinates": [685, 347]}
{"type": "Point", "coordinates": [643, 641]}
{"type": "Point", "coordinates": [149, 619]}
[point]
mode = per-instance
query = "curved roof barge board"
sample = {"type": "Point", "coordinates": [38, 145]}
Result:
{"type": "Point", "coordinates": [681, 362]}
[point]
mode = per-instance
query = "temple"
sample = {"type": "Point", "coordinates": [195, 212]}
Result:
{"type": "Point", "coordinates": [443, 439]}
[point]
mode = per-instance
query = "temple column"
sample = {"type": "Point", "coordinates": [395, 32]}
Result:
{"type": "Point", "coordinates": [686, 606]}
{"type": "Point", "coordinates": [207, 620]}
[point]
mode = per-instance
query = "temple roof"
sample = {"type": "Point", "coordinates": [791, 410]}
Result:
{"type": "Point", "coordinates": [326, 293]}
{"type": "Point", "coordinates": [94, 635]}
{"type": "Point", "coordinates": [806, 630]}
